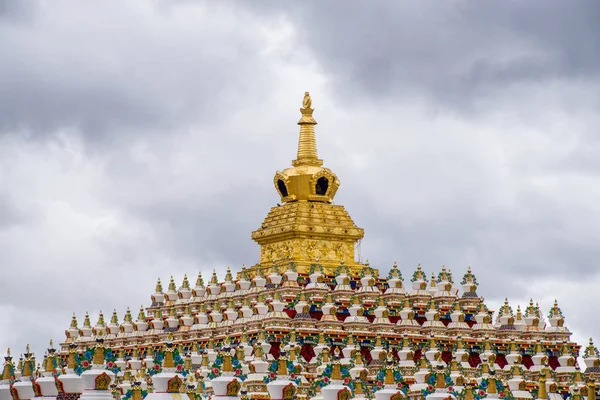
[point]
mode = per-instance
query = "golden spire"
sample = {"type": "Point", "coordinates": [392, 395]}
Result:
{"type": "Point", "coordinates": [542, 393]}
{"type": "Point", "coordinates": [72, 356]}
{"type": "Point", "coordinates": [321, 338]}
{"type": "Point", "coordinates": [227, 362]}
{"type": "Point", "coordinates": [49, 360]}
{"type": "Point", "coordinates": [20, 364]}
{"type": "Point", "coordinates": [7, 374]}
{"type": "Point", "coordinates": [336, 371]}
{"type": "Point", "coordinates": [199, 280]}
{"type": "Point", "coordinates": [142, 315]}
{"type": "Point", "coordinates": [172, 287]}
{"type": "Point", "coordinates": [395, 272]}
{"type": "Point", "coordinates": [239, 353]}
{"type": "Point", "coordinates": [98, 358]}
{"type": "Point", "coordinates": [538, 347]}
{"type": "Point", "coordinates": [186, 283]}
{"type": "Point", "coordinates": [555, 311]}
{"type": "Point", "coordinates": [100, 319]}
{"type": "Point", "coordinates": [433, 283]}
{"type": "Point", "coordinates": [457, 307]}
{"type": "Point", "coordinates": [519, 316]}
{"type": "Point", "coordinates": [358, 358]}
{"type": "Point", "coordinates": [114, 319]}
{"type": "Point", "coordinates": [378, 341]}
{"type": "Point", "coordinates": [228, 277]}
{"type": "Point", "coordinates": [419, 274]}
{"type": "Point", "coordinates": [591, 389]}
{"type": "Point", "coordinates": [292, 338]}
{"type": "Point", "coordinates": [214, 280]}
{"type": "Point", "coordinates": [169, 361]}
{"type": "Point", "coordinates": [159, 288]}
{"type": "Point", "coordinates": [74, 321]}
{"type": "Point", "coordinates": [307, 143]}
{"type": "Point", "coordinates": [530, 310]}
{"type": "Point", "coordinates": [128, 317]}
{"type": "Point", "coordinates": [86, 321]}
{"type": "Point", "coordinates": [325, 355]}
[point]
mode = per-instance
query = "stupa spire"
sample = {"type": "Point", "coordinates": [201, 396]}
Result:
{"type": "Point", "coordinates": [307, 143]}
{"type": "Point", "coordinates": [8, 371]}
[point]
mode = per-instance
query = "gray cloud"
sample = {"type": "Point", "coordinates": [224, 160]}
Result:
{"type": "Point", "coordinates": [455, 54]}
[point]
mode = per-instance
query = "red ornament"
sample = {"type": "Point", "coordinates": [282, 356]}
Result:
{"type": "Point", "coordinates": [450, 388]}
{"type": "Point", "coordinates": [85, 363]}
{"type": "Point", "coordinates": [379, 383]}
{"type": "Point", "coordinates": [157, 367]}
{"type": "Point", "coordinates": [346, 381]}
{"type": "Point", "coordinates": [501, 394]}
{"type": "Point", "coordinates": [272, 375]}
{"type": "Point", "coordinates": [481, 392]}
{"type": "Point", "coordinates": [326, 379]}
{"type": "Point", "coordinates": [179, 368]}
{"type": "Point", "coordinates": [110, 365]}
{"type": "Point", "coordinates": [292, 376]}
{"type": "Point", "coordinates": [237, 371]}
{"type": "Point", "coordinates": [430, 388]}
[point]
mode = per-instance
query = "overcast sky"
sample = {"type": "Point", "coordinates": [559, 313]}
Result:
{"type": "Point", "coordinates": [139, 139]}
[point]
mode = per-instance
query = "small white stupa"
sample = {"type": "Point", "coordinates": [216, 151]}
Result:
{"type": "Point", "coordinates": [167, 373]}
{"type": "Point", "coordinates": [8, 376]}
{"type": "Point", "coordinates": [23, 388]}
{"type": "Point", "coordinates": [45, 386]}
{"type": "Point", "coordinates": [97, 379]}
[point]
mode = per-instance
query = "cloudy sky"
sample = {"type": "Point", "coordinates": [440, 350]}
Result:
{"type": "Point", "coordinates": [139, 139]}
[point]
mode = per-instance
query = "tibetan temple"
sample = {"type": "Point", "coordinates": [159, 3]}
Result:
{"type": "Point", "coordinates": [311, 321]}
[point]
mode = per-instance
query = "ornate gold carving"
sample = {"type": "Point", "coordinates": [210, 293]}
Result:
{"type": "Point", "coordinates": [363, 375]}
{"type": "Point", "coordinates": [310, 248]}
{"type": "Point", "coordinates": [174, 385]}
{"type": "Point", "coordinates": [102, 381]}
{"type": "Point", "coordinates": [344, 394]}
{"type": "Point", "coordinates": [233, 388]}
{"type": "Point", "coordinates": [289, 391]}
{"type": "Point", "coordinates": [397, 396]}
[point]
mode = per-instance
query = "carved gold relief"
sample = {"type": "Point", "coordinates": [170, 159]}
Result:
{"type": "Point", "coordinates": [289, 391]}
{"type": "Point", "coordinates": [174, 385]}
{"type": "Point", "coordinates": [233, 388]}
{"type": "Point", "coordinates": [102, 381]}
{"type": "Point", "coordinates": [344, 394]}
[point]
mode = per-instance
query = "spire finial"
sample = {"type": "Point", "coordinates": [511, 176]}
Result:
{"type": "Point", "coordinates": [307, 144]}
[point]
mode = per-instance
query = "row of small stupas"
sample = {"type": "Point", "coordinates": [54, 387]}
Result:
{"type": "Point", "coordinates": [244, 368]}
{"type": "Point", "coordinates": [343, 305]}
{"type": "Point", "coordinates": [301, 323]}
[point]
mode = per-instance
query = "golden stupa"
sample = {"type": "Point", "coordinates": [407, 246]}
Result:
{"type": "Point", "coordinates": [309, 320]}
